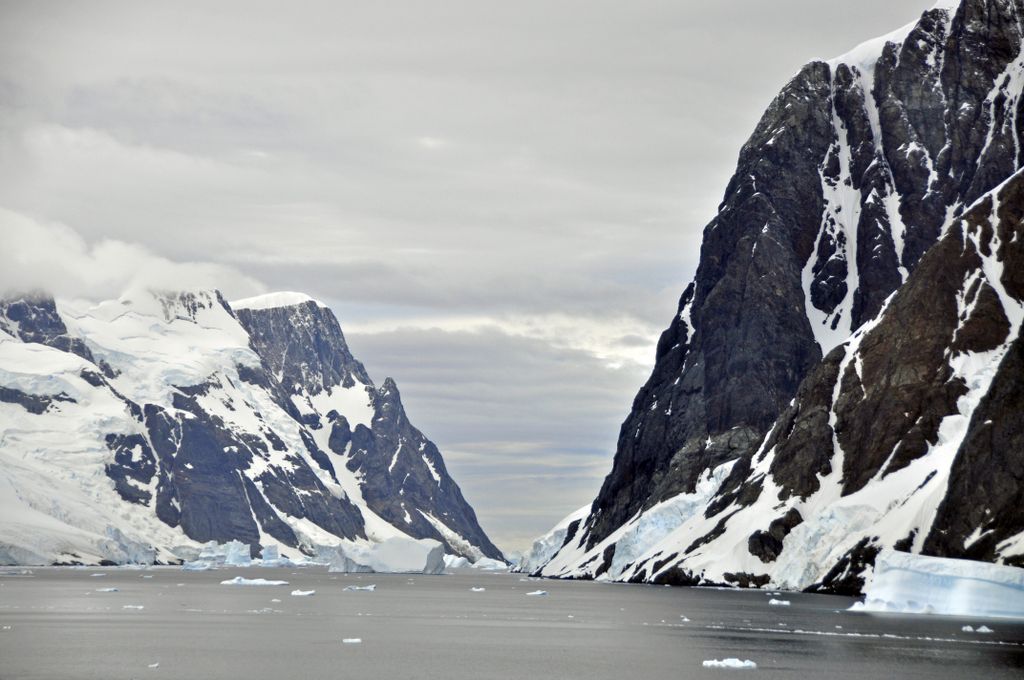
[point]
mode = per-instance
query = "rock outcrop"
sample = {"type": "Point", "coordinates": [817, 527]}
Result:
{"type": "Point", "coordinates": [849, 179]}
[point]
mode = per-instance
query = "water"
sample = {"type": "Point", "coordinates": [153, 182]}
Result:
{"type": "Point", "coordinates": [437, 627]}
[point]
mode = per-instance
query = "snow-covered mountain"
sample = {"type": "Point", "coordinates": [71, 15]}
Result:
{"type": "Point", "coordinates": [770, 446]}
{"type": "Point", "coordinates": [143, 427]}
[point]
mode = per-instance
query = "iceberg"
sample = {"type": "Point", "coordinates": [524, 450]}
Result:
{"type": "Point", "coordinates": [302, 593]}
{"type": "Point", "coordinates": [730, 663]}
{"type": "Point", "coordinates": [918, 584]}
{"type": "Point", "coordinates": [489, 564]}
{"type": "Point", "coordinates": [456, 562]}
{"type": "Point", "coordinates": [393, 556]}
{"type": "Point", "coordinates": [270, 556]}
{"type": "Point", "coordinates": [237, 554]}
{"type": "Point", "coordinates": [239, 581]}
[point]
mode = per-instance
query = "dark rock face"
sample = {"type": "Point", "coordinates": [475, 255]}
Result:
{"type": "Point", "coordinates": [410, 478]}
{"type": "Point", "coordinates": [402, 475]}
{"type": "Point", "coordinates": [840, 317]}
{"type": "Point", "coordinates": [33, 403]}
{"type": "Point", "coordinates": [34, 318]}
{"type": "Point", "coordinates": [767, 545]}
{"type": "Point", "coordinates": [303, 344]}
{"type": "Point", "coordinates": [845, 183]}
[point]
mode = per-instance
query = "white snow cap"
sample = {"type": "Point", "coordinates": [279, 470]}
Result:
{"type": "Point", "coordinates": [274, 300]}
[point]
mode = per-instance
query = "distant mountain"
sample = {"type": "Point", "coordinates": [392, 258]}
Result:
{"type": "Point", "coordinates": [772, 447]}
{"type": "Point", "coordinates": [139, 428]}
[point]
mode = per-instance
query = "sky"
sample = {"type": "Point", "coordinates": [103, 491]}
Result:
{"type": "Point", "coordinates": [502, 202]}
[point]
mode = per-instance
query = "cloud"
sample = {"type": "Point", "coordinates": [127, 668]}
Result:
{"type": "Point", "coordinates": [54, 258]}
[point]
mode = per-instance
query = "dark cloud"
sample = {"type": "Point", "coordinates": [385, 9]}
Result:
{"type": "Point", "coordinates": [532, 174]}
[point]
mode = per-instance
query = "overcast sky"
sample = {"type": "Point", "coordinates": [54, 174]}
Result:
{"type": "Point", "coordinates": [501, 201]}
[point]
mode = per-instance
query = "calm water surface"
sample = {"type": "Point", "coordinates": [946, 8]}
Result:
{"type": "Point", "coordinates": [54, 624]}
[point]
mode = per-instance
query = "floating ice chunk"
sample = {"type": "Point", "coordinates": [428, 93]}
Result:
{"type": "Point", "coordinates": [155, 665]}
{"type": "Point", "coordinates": [983, 630]}
{"type": "Point", "coordinates": [395, 555]}
{"type": "Point", "coordinates": [538, 593]}
{"type": "Point", "coordinates": [456, 562]}
{"type": "Point", "coordinates": [147, 576]}
{"type": "Point", "coordinates": [237, 554]}
{"type": "Point", "coordinates": [730, 663]}
{"type": "Point", "coordinates": [239, 581]}
{"type": "Point", "coordinates": [369, 588]}
{"type": "Point", "coordinates": [198, 565]}
{"type": "Point", "coordinates": [352, 641]}
{"type": "Point", "coordinates": [134, 606]}
{"type": "Point", "coordinates": [106, 590]}
{"type": "Point", "coordinates": [488, 564]}
{"type": "Point", "coordinates": [478, 590]}
{"type": "Point", "coordinates": [940, 585]}
{"type": "Point", "coordinates": [95, 575]}
{"type": "Point", "coordinates": [271, 557]}
{"type": "Point", "coordinates": [778, 603]}
{"type": "Point", "coordinates": [302, 593]}
{"type": "Point", "coordinates": [967, 629]}
{"type": "Point", "coordinates": [276, 600]}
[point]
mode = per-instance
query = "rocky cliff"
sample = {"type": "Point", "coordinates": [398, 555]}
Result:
{"type": "Point", "coordinates": [851, 176]}
{"type": "Point", "coordinates": [138, 429]}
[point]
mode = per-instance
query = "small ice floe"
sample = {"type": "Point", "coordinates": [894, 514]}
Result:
{"type": "Point", "coordinates": [239, 581]}
{"type": "Point", "coordinates": [96, 575]}
{"type": "Point", "coordinates": [134, 606]}
{"type": "Point", "coordinates": [302, 593]}
{"type": "Point", "coordinates": [778, 603]}
{"type": "Point", "coordinates": [7, 627]}
{"type": "Point", "coordinates": [369, 588]}
{"type": "Point", "coordinates": [276, 600]}
{"type": "Point", "coordinates": [106, 590]}
{"type": "Point", "coordinates": [538, 593]}
{"type": "Point", "coordinates": [155, 665]}
{"type": "Point", "coordinates": [478, 590]}
{"type": "Point", "coordinates": [730, 663]}
{"type": "Point", "coordinates": [682, 617]}
{"type": "Point", "coordinates": [147, 576]}
{"type": "Point", "coordinates": [984, 630]}
{"type": "Point", "coordinates": [352, 641]}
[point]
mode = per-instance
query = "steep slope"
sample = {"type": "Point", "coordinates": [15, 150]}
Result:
{"type": "Point", "coordinates": [847, 180]}
{"type": "Point", "coordinates": [139, 428]}
{"type": "Point", "coordinates": [906, 436]}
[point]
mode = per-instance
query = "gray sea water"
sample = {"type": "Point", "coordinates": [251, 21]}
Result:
{"type": "Point", "coordinates": [54, 624]}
